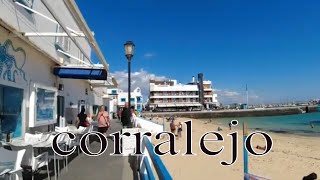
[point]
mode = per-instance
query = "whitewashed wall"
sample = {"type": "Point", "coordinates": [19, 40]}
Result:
{"type": "Point", "coordinates": [38, 69]}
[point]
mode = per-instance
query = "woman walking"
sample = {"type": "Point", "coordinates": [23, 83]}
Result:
{"type": "Point", "coordinates": [103, 121]}
{"type": "Point", "coordinates": [82, 119]}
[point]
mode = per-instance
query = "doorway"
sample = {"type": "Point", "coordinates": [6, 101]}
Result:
{"type": "Point", "coordinates": [11, 111]}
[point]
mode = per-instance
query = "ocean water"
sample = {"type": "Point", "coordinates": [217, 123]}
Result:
{"type": "Point", "coordinates": [300, 124]}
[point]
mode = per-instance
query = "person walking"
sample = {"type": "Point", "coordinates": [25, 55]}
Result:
{"type": "Point", "coordinates": [82, 119]}
{"type": "Point", "coordinates": [103, 120]}
{"type": "Point", "coordinates": [133, 116]}
{"type": "Point", "coordinates": [125, 119]}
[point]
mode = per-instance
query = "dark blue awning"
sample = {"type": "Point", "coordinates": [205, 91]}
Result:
{"type": "Point", "coordinates": [80, 73]}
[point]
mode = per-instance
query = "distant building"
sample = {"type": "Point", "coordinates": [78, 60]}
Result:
{"type": "Point", "coordinates": [136, 99]}
{"type": "Point", "coordinates": [169, 95]}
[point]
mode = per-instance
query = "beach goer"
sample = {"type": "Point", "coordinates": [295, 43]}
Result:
{"type": "Point", "coordinates": [125, 119]}
{"type": "Point", "coordinates": [173, 127]}
{"type": "Point", "coordinates": [312, 176]}
{"type": "Point", "coordinates": [261, 147]}
{"type": "Point", "coordinates": [179, 130]}
{"type": "Point", "coordinates": [230, 125]}
{"type": "Point", "coordinates": [311, 125]}
{"type": "Point", "coordinates": [103, 121]}
{"type": "Point", "coordinates": [219, 128]}
{"type": "Point", "coordinates": [82, 119]}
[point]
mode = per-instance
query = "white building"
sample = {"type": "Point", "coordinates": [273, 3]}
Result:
{"type": "Point", "coordinates": [136, 98]}
{"type": "Point", "coordinates": [45, 66]}
{"type": "Point", "coordinates": [210, 98]}
{"type": "Point", "coordinates": [168, 95]}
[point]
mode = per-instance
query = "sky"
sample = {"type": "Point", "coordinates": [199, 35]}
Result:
{"type": "Point", "coordinates": [271, 45]}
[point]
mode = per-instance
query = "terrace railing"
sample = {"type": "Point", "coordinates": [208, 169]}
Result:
{"type": "Point", "coordinates": [150, 163]}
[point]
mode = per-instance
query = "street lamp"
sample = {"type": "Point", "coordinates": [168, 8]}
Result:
{"type": "Point", "coordinates": [129, 50]}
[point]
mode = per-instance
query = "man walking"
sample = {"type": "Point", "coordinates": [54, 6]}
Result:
{"type": "Point", "coordinates": [125, 116]}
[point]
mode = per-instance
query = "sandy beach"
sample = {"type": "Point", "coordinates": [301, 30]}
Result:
{"type": "Point", "coordinates": [291, 157]}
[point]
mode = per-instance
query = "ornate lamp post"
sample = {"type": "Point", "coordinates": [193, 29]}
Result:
{"type": "Point", "coordinates": [129, 50]}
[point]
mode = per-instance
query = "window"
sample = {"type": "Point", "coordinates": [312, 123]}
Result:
{"type": "Point", "coordinates": [138, 99]}
{"type": "Point", "coordinates": [80, 56]}
{"type": "Point", "coordinates": [61, 41]}
{"type": "Point", "coordinates": [11, 111]}
{"type": "Point", "coordinates": [132, 99]}
{"type": "Point", "coordinates": [114, 92]}
{"type": "Point", "coordinates": [28, 3]}
{"type": "Point", "coordinates": [123, 99]}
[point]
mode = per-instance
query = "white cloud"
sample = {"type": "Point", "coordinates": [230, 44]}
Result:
{"type": "Point", "coordinates": [138, 79]}
{"type": "Point", "coordinates": [149, 55]}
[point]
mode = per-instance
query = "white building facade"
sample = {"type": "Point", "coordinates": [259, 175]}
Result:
{"type": "Point", "coordinates": [210, 98]}
{"type": "Point", "coordinates": [136, 98]}
{"type": "Point", "coordinates": [44, 74]}
{"type": "Point", "coordinates": [168, 95]}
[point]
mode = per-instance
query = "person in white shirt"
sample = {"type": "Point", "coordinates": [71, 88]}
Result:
{"type": "Point", "coordinates": [133, 117]}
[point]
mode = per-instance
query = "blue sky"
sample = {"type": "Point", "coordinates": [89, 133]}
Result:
{"type": "Point", "coordinates": [273, 46]}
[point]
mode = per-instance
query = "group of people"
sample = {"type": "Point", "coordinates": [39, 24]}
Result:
{"type": "Point", "coordinates": [102, 118]}
{"type": "Point", "coordinates": [124, 113]}
{"type": "Point", "coordinates": [176, 129]}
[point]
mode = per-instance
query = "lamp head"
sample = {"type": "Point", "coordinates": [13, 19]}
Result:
{"type": "Point", "coordinates": [129, 49]}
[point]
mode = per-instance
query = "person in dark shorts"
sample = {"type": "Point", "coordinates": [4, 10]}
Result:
{"type": "Point", "coordinates": [103, 120]}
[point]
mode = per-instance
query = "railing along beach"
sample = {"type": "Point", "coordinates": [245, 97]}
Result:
{"type": "Point", "coordinates": [149, 160]}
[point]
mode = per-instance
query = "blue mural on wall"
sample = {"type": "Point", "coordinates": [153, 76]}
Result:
{"type": "Point", "coordinates": [11, 98]}
{"type": "Point", "coordinates": [8, 63]}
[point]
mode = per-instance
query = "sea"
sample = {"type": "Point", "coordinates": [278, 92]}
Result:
{"type": "Point", "coordinates": [307, 124]}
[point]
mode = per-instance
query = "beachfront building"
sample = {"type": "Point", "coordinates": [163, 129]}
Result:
{"type": "Point", "coordinates": [210, 98]}
{"type": "Point", "coordinates": [136, 99]}
{"type": "Point", "coordinates": [169, 95]}
{"type": "Point", "coordinates": [45, 65]}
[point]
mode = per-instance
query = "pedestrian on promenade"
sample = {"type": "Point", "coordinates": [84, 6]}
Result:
{"type": "Point", "coordinates": [133, 116]}
{"type": "Point", "coordinates": [82, 119]}
{"type": "Point", "coordinates": [125, 119]}
{"type": "Point", "coordinates": [103, 121]}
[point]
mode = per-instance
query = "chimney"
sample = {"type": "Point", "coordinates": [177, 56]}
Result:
{"type": "Point", "coordinates": [193, 79]}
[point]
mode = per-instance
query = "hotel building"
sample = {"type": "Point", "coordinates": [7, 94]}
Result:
{"type": "Point", "coordinates": [46, 70]}
{"type": "Point", "coordinates": [169, 95]}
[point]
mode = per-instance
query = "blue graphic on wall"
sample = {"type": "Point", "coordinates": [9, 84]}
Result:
{"type": "Point", "coordinates": [45, 104]}
{"type": "Point", "coordinates": [11, 103]}
{"type": "Point", "coordinates": [8, 64]}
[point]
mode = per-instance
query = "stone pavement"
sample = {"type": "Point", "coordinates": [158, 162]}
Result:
{"type": "Point", "coordinates": [104, 167]}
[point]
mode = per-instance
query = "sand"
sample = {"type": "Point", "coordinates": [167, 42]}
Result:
{"type": "Point", "coordinates": [292, 156]}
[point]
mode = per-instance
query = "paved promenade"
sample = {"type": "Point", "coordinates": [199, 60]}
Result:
{"type": "Point", "coordinates": [96, 168]}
